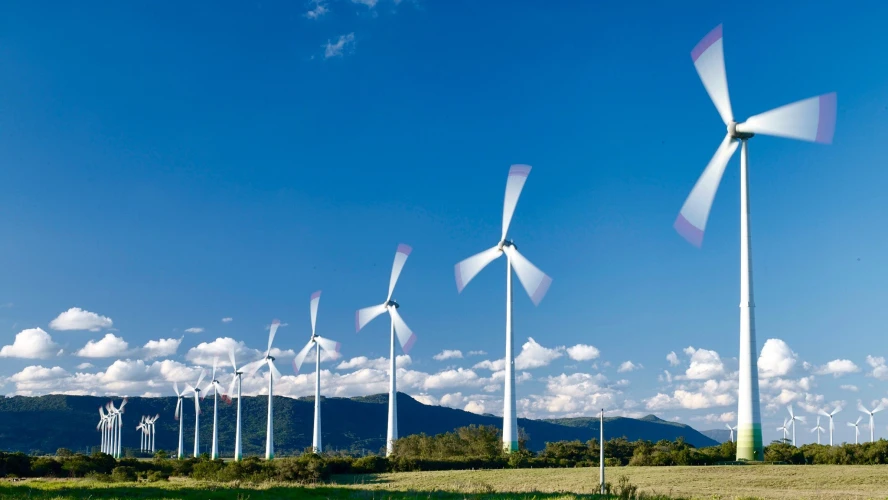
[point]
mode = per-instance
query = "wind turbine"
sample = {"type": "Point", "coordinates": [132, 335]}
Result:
{"type": "Point", "coordinates": [141, 427]}
{"type": "Point", "coordinates": [236, 380]}
{"type": "Point", "coordinates": [810, 119]}
{"type": "Point", "coordinates": [179, 416]}
{"type": "Point", "coordinates": [535, 282]}
{"type": "Point", "coordinates": [872, 422]}
{"type": "Point", "coordinates": [112, 418]}
{"type": "Point", "coordinates": [792, 419]}
{"type": "Point", "coordinates": [732, 429]}
{"type": "Point", "coordinates": [832, 425]}
{"type": "Point", "coordinates": [784, 429]}
{"type": "Point", "coordinates": [856, 426]}
{"type": "Point", "coordinates": [216, 388]}
{"type": "Point", "coordinates": [151, 429]}
{"type": "Point", "coordinates": [405, 337]}
{"type": "Point", "coordinates": [196, 391]}
{"type": "Point", "coordinates": [103, 427]}
{"type": "Point", "coordinates": [332, 347]}
{"type": "Point", "coordinates": [117, 419]}
{"type": "Point", "coordinates": [818, 429]}
{"type": "Point", "coordinates": [273, 372]}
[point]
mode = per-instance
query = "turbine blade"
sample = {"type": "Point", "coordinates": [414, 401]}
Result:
{"type": "Point", "coordinates": [469, 268]}
{"type": "Point", "coordinates": [207, 390]}
{"type": "Point", "coordinates": [188, 388]}
{"type": "Point", "coordinates": [176, 388]}
{"type": "Point", "coordinates": [400, 258]}
{"type": "Point", "coordinates": [837, 410]}
{"type": "Point", "coordinates": [203, 373]}
{"type": "Point", "coordinates": [729, 427]}
{"type": "Point", "coordinates": [535, 282]}
{"type": "Point", "coordinates": [231, 392]}
{"type": "Point", "coordinates": [250, 369]}
{"type": "Point", "coordinates": [277, 373]}
{"type": "Point", "coordinates": [709, 59]}
{"type": "Point", "coordinates": [215, 364]}
{"type": "Point", "coordinates": [851, 425]}
{"type": "Point", "coordinates": [791, 416]}
{"type": "Point", "coordinates": [858, 421]}
{"type": "Point", "coordinates": [812, 119]}
{"type": "Point", "coordinates": [271, 333]}
{"type": "Point", "coordinates": [800, 418]}
{"type": "Point", "coordinates": [297, 361]}
{"type": "Point", "coordinates": [315, 299]}
{"type": "Point", "coordinates": [879, 408]}
{"type": "Point", "coordinates": [331, 346]}
{"type": "Point", "coordinates": [691, 221]}
{"type": "Point", "coordinates": [405, 336]}
{"type": "Point", "coordinates": [862, 408]}
{"type": "Point", "coordinates": [178, 408]}
{"type": "Point", "coordinates": [231, 358]}
{"type": "Point", "coordinates": [514, 184]}
{"type": "Point", "coordinates": [366, 315]}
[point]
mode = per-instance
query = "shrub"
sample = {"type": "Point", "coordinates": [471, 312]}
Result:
{"type": "Point", "coordinates": [123, 474]}
{"type": "Point", "coordinates": [46, 467]}
{"type": "Point", "coordinates": [98, 477]}
{"type": "Point", "coordinates": [372, 464]}
{"type": "Point", "coordinates": [207, 470]}
{"type": "Point", "coordinates": [64, 452]}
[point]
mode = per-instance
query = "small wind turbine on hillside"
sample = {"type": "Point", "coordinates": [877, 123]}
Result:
{"type": "Point", "coordinates": [732, 429]}
{"type": "Point", "coordinates": [196, 393]}
{"type": "Point", "coordinates": [405, 336]}
{"type": "Point", "coordinates": [856, 426]}
{"type": "Point", "coordinates": [784, 428]}
{"type": "Point", "coordinates": [872, 421]}
{"type": "Point", "coordinates": [142, 428]}
{"type": "Point", "coordinates": [273, 373]}
{"type": "Point", "coordinates": [535, 282]}
{"type": "Point", "coordinates": [332, 348]}
{"type": "Point", "coordinates": [818, 429]}
{"type": "Point", "coordinates": [832, 425]}
{"type": "Point", "coordinates": [236, 380]}
{"type": "Point", "coordinates": [793, 419]}
{"type": "Point", "coordinates": [811, 119]}
{"type": "Point", "coordinates": [179, 416]}
{"type": "Point", "coordinates": [151, 431]}
{"type": "Point", "coordinates": [216, 388]}
{"type": "Point", "coordinates": [104, 426]}
{"type": "Point", "coordinates": [117, 428]}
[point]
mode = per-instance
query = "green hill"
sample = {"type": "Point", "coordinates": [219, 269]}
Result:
{"type": "Point", "coordinates": [46, 423]}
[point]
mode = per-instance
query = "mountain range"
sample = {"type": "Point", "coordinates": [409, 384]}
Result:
{"type": "Point", "coordinates": [46, 423]}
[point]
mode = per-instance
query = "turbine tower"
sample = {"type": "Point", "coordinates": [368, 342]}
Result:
{"type": "Point", "coordinates": [178, 416]}
{"type": "Point", "coordinates": [535, 282]}
{"type": "Point", "coordinates": [196, 392]}
{"type": "Point", "coordinates": [236, 381]}
{"type": "Point", "coordinates": [856, 426]}
{"type": "Point", "coordinates": [216, 388]}
{"type": "Point", "coordinates": [405, 337]}
{"type": "Point", "coordinates": [151, 429]}
{"type": "Point", "coordinates": [332, 348]}
{"type": "Point", "coordinates": [792, 419]}
{"type": "Point", "coordinates": [872, 422]}
{"type": "Point", "coordinates": [818, 429]}
{"type": "Point", "coordinates": [810, 119]}
{"type": "Point", "coordinates": [273, 373]}
{"type": "Point", "coordinates": [832, 425]}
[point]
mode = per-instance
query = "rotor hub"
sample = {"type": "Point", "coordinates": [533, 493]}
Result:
{"type": "Point", "coordinates": [732, 131]}
{"type": "Point", "coordinates": [507, 243]}
{"type": "Point", "coordinates": [270, 358]}
{"type": "Point", "coordinates": [392, 303]}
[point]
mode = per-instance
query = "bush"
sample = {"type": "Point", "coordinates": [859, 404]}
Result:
{"type": "Point", "coordinates": [155, 476]}
{"type": "Point", "coordinates": [207, 470]}
{"type": "Point", "coordinates": [64, 452]}
{"type": "Point", "coordinates": [123, 474]}
{"type": "Point", "coordinates": [372, 464]}
{"type": "Point", "coordinates": [98, 477]}
{"type": "Point", "coordinates": [46, 467]}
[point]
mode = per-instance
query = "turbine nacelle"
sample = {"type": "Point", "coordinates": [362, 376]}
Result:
{"type": "Point", "coordinates": [736, 132]}
{"type": "Point", "coordinates": [392, 303]}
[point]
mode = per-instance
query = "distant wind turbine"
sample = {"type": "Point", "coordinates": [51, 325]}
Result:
{"type": "Point", "coordinates": [793, 419]}
{"type": "Point", "coordinates": [784, 428]}
{"type": "Point", "coordinates": [196, 392]}
{"type": "Point", "coordinates": [856, 426]}
{"type": "Point", "coordinates": [818, 429]}
{"type": "Point", "coordinates": [872, 422]}
{"type": "Point", "coordinates": [179, 416]}
{"type": "Point", "coordinates": [732, 429]}
{"type": "Point", "coordinates": [832, 425]}
{"type": "Point", "coordinates": [273, 373]}
{"type": "Point", "coordinates": [216, 388]}
{"type": "Point", "coordinates": [236, 380]}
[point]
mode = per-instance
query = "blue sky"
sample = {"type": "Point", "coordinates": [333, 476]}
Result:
{"type": "Point", "coordinates": [167, 167]}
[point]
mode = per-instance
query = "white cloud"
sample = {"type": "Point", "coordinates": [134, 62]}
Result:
{"type": "Point", "coordinates": [705, 364]}
{"type": "Point", "coordinates": [837, 368]}
{"type": "Point", "coordinates": [583, 352]}
{"type": "Point", "coordinates": [451, 378]}
{"type": "Point", "coordinates": [714, 418]}
{"type": "Point", "coordinates": [381, 364]}
{"type": "Point", "coordinates": [160, 348]}
{"type": "Point", "coordinates": [666, 377]}
{"type": "Point", "coordinates": [79, 319]}
{"type": "Point", "coordinates": [490, 365]}
{"type": "Point", "coordinates": [38, 374]}
{"type": "Point", "coordinates": [319, 9]}
{"type": "Point", "coordinates": [227, 320]}
{"type": "Point", "coordinates": [880, 369]}
{"type": "Point", "coordinates": [477, 353]}
{"type": "Point", "coordinates": [204, 353]}
{"type": "Point", "coordinates": [776, 359]}
{"type": "Point", "coordinates": [194, 329]}
{"type": "Point", "coordinates": [84, 366]}
{"type": "Point", "coordinates": [448, 354]}
{"type": "Point", "coordinates": [628, 366]}
{"type": "Point", "coordinates": [368, 3]}
{"type": "Point", "coordinates": [33, 343]}
{"type": "Point", "coordinates": [672, 358]}
{"type": "Point", "coordinates": [107, 347]}
{"type": "Point", "coordinates": [345, 42]}
{"type": "Point", "coordinates": [710, 394]}
{"type": "Point", "coordinates": [849, 387]}
{"type": "Point", "coordinates": [533, 355]}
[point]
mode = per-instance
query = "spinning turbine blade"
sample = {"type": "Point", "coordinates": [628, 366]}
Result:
{"type": "Point", "coordinates": [405, 337]}
{"type": "Point", "coordinates": [691, 221]}
{"type": "Point", "coordinates": [709, 59]}
{"type": "Point", "coordinates": [514, 184]}
{"type": "Point", "coordinates": [203, 373]}
{"type": "Point", "coordinates": [331, 346]}
{"type": "Point", "coordinates": [215, 364]}
{"type": "Point", "coordinates": [176, 388]}
{"type": "Point", "coordinates": [535, 282]}
{"type": "Point", "coordinates": [231, 387]}
{"type": "Point", "coordinates": [812, 119]}
{"type": "Point", "coordinates": [178, 409]}
{"type": "Point", "coordinates": [469, 268]}
{"type": "Point", "coordinates": [300, 358]}
{"type": "Point", "coordinates": [231, 358]}
{"type": "Point", "coordinates": [879, 408]}
{"type": "Point", "coordinates": [366, 315]}
{"type": "Point", "coordinates": [271, 332]}
{"type": "Point", "coordinates": [315, 299]}
{"type": "Point", "coordinates": [862, 408]}
{"type": "Point", "coordinates": [250, 369]}
{"type": "Point", "coordinates": [274, 370]}
{"type": "Point", "coordinates": [400, 258]}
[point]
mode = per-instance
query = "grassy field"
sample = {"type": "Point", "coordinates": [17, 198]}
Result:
{"type": "Point", "coordinates": [705, 483]}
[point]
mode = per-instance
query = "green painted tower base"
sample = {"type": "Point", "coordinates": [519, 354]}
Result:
{"type": "Point", "coordinates": [510, 447]}
{"type": "Point", "coordinates": [749, 443]}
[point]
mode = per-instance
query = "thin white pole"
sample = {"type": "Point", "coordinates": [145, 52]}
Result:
{"type": "Point", "coordinates": [215, 451]}
{"type": "Point", "coordinates": [601, 458]}
{"type": "Point", "coordinates": [316, 441]}
{"type": "Point", "coordinates": [181, 435]}
{"type": "Point", "coordinates": [269, 433]}
{"type": "Point", "coordinates": [237, 430]}
{"type": "Point", "coordinates": [392, 432]}
{"type": "Point", "coordinates": [196, 422]}
{"type": "Point", "coordinates": [510, 419]}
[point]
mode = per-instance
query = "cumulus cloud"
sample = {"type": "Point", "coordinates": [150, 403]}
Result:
{"type": "Point", "coordinates": [477, 353]}
{"type": "Point", "coordinates": [705, 364]}
{"type": "Point", "coordinates": [84, 366]}
{"type": "Point", "coordinates": [837, 368]}
{"type": "Point", "coordinates": [204, 353]}
{"type": "Point", "coordinates": [107, 347]}
{"type": "Point", "coordinates": [776, 359]}
{"type": "Point", "coordinates": [583, 352]}
{"type": "Point", "coordinates": [33, 343]}
{"type": "Point", "coordinates": [451, 378]}
{"type": "Point", "coordinates": [368, 3]}
{"type": "Point", "coordinates": [318, 9]}
{"type": "Point", "coordinates": [448, 354]}
{"type": "Point", "coordinates": [194, 329]}
{"type": "Point", "coordinates": [533, 355]}
{"type": "Point", "coordinates": [79, 319]}
{"type": "Point", "coordinates": [381, 364]}
{"type": "Point", "coordinates": [880, 369]}
{"type": "Point", "coordinates": [672, 358]}
{"type": "Point", "coordinates": [160, 348]}
{"type": "Point", "coordinates": [849, 387]}
{"type": "Point", "coordinates": [628, 366]}
{"type": "Point", "coordinates": [340, 46]}
{"type": "Point", "coordinates": [715, 418]}
{"type": "Point", "coordinates": [710, 394]}
{"type": "Point", "coordinates": [227, 320]}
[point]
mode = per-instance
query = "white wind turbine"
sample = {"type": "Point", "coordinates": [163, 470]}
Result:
{"type": "Point", "coordinates": [117, 428]}
{"type": "Point", "coordinates": [216, 388]}
{"type": "Point", "coordinates": [273, 373]}
{"type": "Point", "coordinates": [405, 336]}
{"type": "Point", "coordinates": [196, 392]}
{"type": "Point", "coordinates": [151, 430]}
{"type": "Point", "coordinates": [535, 282]}
{"type": "Point", "coordinates": [332, 348]}
{"type": "Point", "coordinates": [141, 427]}
{"type": "Point", "coordinates": [811, 119]}
{"type": "Point", "coordinates": [236, 380]}
{"type": "Point", "coordinates": [872, 421]}
{"type": "Point", "coordinates": [818, 429]}
{"type": "Point", "coordinates": [784, 428]}
{"type": "Point", "coordinates": [856, 426]}
{"type": "Point", "coordinates": [732, 429]}
{"type": "Point", "coordinates": [179, 415]}
{"type": "Point", "coordinates": [103, 427]}
{"type": "Point", "coordinates": [832, 425]}
{"type": "Point", "coordinates": [112, 431]}
{"type": "Point", "coordinates": [793, 419]}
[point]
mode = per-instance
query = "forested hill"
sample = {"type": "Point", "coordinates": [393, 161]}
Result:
{"type": "Point", "coordinates": [47, 423]}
